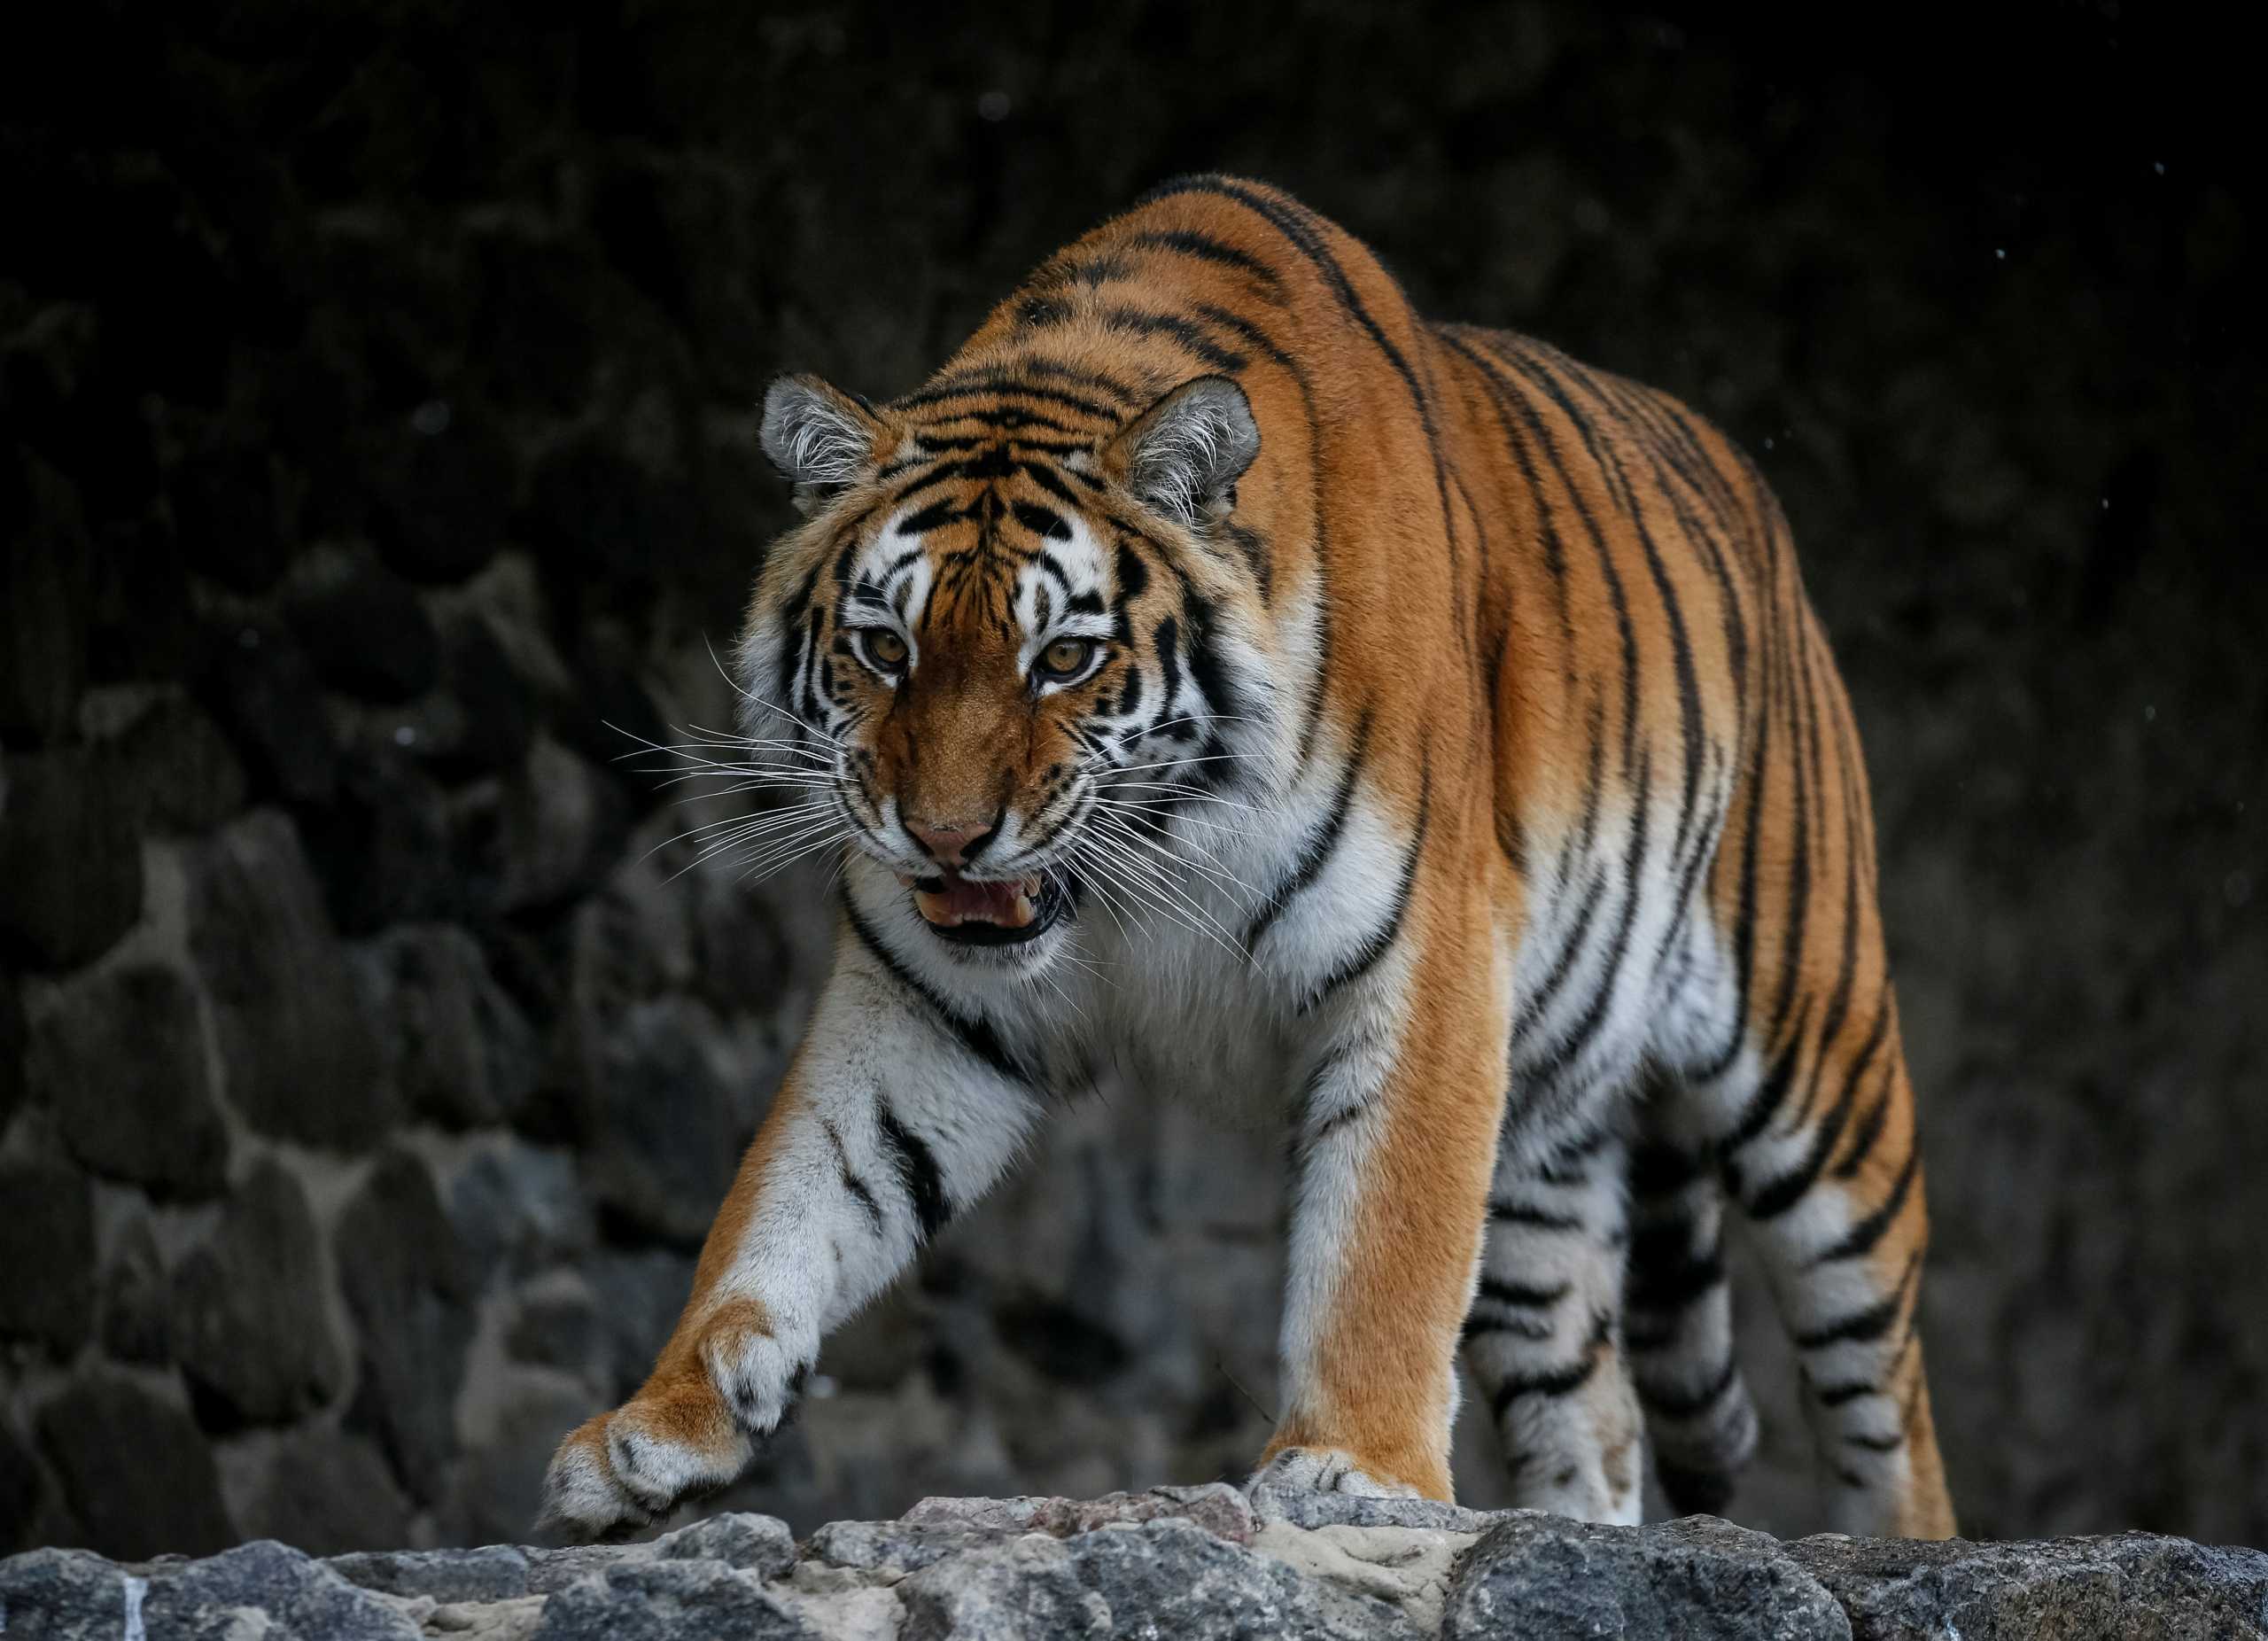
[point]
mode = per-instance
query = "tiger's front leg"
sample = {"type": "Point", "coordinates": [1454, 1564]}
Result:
{"type": "Point", "coordinates": [888, 1121]}
{"type": "Point", "coordinates": [1394, 1145]}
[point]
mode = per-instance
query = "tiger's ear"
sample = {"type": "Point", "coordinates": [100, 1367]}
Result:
{"type": "Point", "coordinates": [1186, 453]}
{"type": "Point", "coordinates": [819, 437]}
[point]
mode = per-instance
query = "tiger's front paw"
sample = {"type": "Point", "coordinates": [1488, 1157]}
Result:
{"type": "Point", "coordinates": [690, 1431]}
{"type": "Point", "coordinates": [1322, 1470]}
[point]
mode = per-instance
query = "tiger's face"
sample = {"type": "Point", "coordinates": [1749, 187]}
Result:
{"type": "Point", "coordinates": [995, 649]}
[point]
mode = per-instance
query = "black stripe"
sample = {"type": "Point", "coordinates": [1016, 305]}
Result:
{"type": "Point", "coordinates": [1664, 1276]}
{"type": "Point", "coordinates": [1193, 342]}
{"type": "Point", "coordinates": [1534, 1218]}
{"type": "Point", "coordinates": [1875, 1443]}
{"type": "Point", "coordinates": [1527, 1327]}
{"type": "Point", "coordinates": [1861, 1237]}
{"type": "Point", "coordinates": [999, 382]}
{"type": "Point", "coordinates": [1315, 853]}
{"type": "Point", "coordinates": [1522, 1293]}
{"type": "Point", "coordinates": [976, 1035]}
{"type": "Point", "coordinates": [856, 1187]}
{"type": "Point", "coordinates": [1367, 955]}
{"type": "Point", "coordinates": [917, 1170]}
{"type": "Point", "coordinates": [1865, 1325]}
{"type": "Point", "coordinates": [1189, 242]}
{"type": "Point", "coordinates": [1836, 1396]}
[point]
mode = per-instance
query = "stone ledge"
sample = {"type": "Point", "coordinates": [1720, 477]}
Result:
{"type": "Point", "coordinates": [1188, 1563]}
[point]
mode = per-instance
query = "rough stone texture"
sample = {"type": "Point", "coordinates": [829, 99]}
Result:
{"type": "Point", "coordinates": [247, 1319]}
{"type": "Point", "coordinates": [1699, 1578]}
{"type": "Point", "coordinates": [406, 1277]}
{"type": "Point", "coordinates": [456, 1047]}
{"type": "Point", "coordinates": [300, 1057]}
{"type": "Point", "coordinates": [70, 864]}
{"type": "Point", "coordinates": [1148, 1565]}
{"type": "Point", "coordinates": [2134, 1585]}
{"type": "Point", "coordinates": [46, 1247]}
{"type": "Point", "coordinates": [480, 299]}
{"type": "Point", "coordinates": [119, 1056]}
{"type": "Point", "coordinates": [327, 1492]}
{"type": "Point", "coordinates": [134, 1469]}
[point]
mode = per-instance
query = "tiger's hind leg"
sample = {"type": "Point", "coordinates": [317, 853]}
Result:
{"type": "Point", "coordinates": [1543, 1337]}
{"type": "Point", "coordinates": [1678, 1319]}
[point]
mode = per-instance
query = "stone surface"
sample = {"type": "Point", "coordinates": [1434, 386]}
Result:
{"type": "Point", "coordinates": [670, 1601]}
{"type": "Point", "coordinates": [46, 1247]}
{"type": "Point", "coordinates": [70, 864]}
{"type": "Point", "coordinates": [177, 768]}
{"type": "Point", "coordinates": [406, 1279]}
{"type": "Point", "coordinates": [300, 1059]}
{"type": "Point", "coordinates": [362, 625]}
{"type": "Point", "coordinates": [14, 1074]}
{"type": "Point", "coordinates": [1146, 1565]}
{"type": "Point", "coordinates": [660, 1128]}
{"type": "Point", "coordinates": [134, 1301]}
{"type": "Point", "coordinates": [456, 1047]}
{"type": "Point", "coordinates": [134, 1469]}
{"type": "Point", "coordinates": [327, 1492]}
{"type": "Point", "coordinates": [247, 1317]}
{"type": "Point", "coordinates": [1700, 1578]}
{"type": "Point", "coordinates": [119, 1056]}
{"type": "Point", "coordinates": [2131, 1584]}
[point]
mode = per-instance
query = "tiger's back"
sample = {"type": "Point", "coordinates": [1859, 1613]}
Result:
{"type": "Point", "coordinates": [1454, 764]}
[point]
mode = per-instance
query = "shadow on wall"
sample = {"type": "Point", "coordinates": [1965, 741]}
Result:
{"type": "Point", "coordinates": [380, 455]}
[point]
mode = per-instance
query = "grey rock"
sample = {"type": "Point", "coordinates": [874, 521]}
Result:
{"type": "Point", "coordinates": [134, 1323]}
{"type": "Point", "coordinates": [44, 597]}
{"type": "Point", "coordinates": [247, 1316]}
{"type": "Point", "coordinates": [46, 1247]}
{"type": "Point", "coordinates": [299, 1597]}
{"type": "Point", "coordinates": [557, 1328]}
{"type": "Point", "coordinates": [362, 625]}
{"type": "Point", "coordinates": [119, 1056]}
{"type": "Point", "coordinates": [448, 496]}
{"type": "Point", "coordinates": [20, 1487]}
{"type": "Point", "coordinates": [651, 1601]}
{"type": "Point", "coordinates": [135, 1470]}
{"type": "Point", "coordinates": [2131, 1584]}
{"type": "Point", "coordinates": [754, 1544]}
{"type": "Point", "coordinates": [327, 1492]}
{"type": "Point", "coordinates": [301, 1060]}
{"type": "Point", "coordinates": [524, 1206]}
{"type": "Point", "coordinates": [177, 768]}
{"type": "Point", "coordinates": [1546, 1577]}
{"type": "Point", "coordinates": [14, 1074]}
{"type": "Point", "coordinates": [540, 834]}
{"type": "Point", "coordinates": [269, 700]}
{"type": "Point", "coordinates": [640, 1295]}
{"type": "Point", "coordinates": [70, 862]}
{"type": "Point", "coordinates": [457, 1049]}
{"type": "Point", "coordinates": [408, 1283]}
{"type": "Point", "coordinates": [1217, 1507]}
{"type": "Point", "coordinates": [1164, 1577]}
{"type": "Point", "coordinates": [65, 1595]}
{"type": "Point", "coordinates": [382, 848]}
{"type": "Point", "coordinates": [492, 1573]}
{"type": "Point", "coordinates": [892, 1548]}
{"type": "Point", "coordinates": [1305, 1507]}
{"type": "Point", "coordinates": [228, 519]}
{"type": "Point", "coordinates": [662, 1140]}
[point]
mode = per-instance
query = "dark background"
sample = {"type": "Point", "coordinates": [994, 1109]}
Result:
{"type": "Point", "coordinates": [380, 388]}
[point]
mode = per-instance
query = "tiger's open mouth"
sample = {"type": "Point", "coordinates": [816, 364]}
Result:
{"type": "Point", "coordinates": [981, 913]}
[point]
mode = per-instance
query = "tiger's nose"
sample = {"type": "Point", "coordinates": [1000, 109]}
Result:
{"type": "Point", "coordinates": [949, 845]}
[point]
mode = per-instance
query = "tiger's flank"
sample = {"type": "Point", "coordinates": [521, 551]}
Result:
{"type": "Point", "coordinates": [1394, 730]}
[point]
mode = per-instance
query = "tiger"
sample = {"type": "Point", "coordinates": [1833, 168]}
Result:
{"type": "Point", "coordinates": [1218, 675]}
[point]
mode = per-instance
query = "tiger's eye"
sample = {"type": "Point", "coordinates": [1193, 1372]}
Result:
{"type": "Point", "coordinates": [1066, 656]}
{"type": "Point", "coordinates": [885, 648]}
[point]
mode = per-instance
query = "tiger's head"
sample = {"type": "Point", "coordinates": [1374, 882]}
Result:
{"type": "Point", "coordinates": [1010, 645]}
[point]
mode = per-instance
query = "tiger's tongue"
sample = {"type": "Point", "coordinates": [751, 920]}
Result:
{"type": "Point", "coordinates": [960, 901]}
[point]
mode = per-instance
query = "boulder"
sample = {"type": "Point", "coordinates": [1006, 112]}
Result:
{"type": "Point", "coordinates": [119, 1055]}
{"type": "Point", "coordinates": [247, 1319]}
